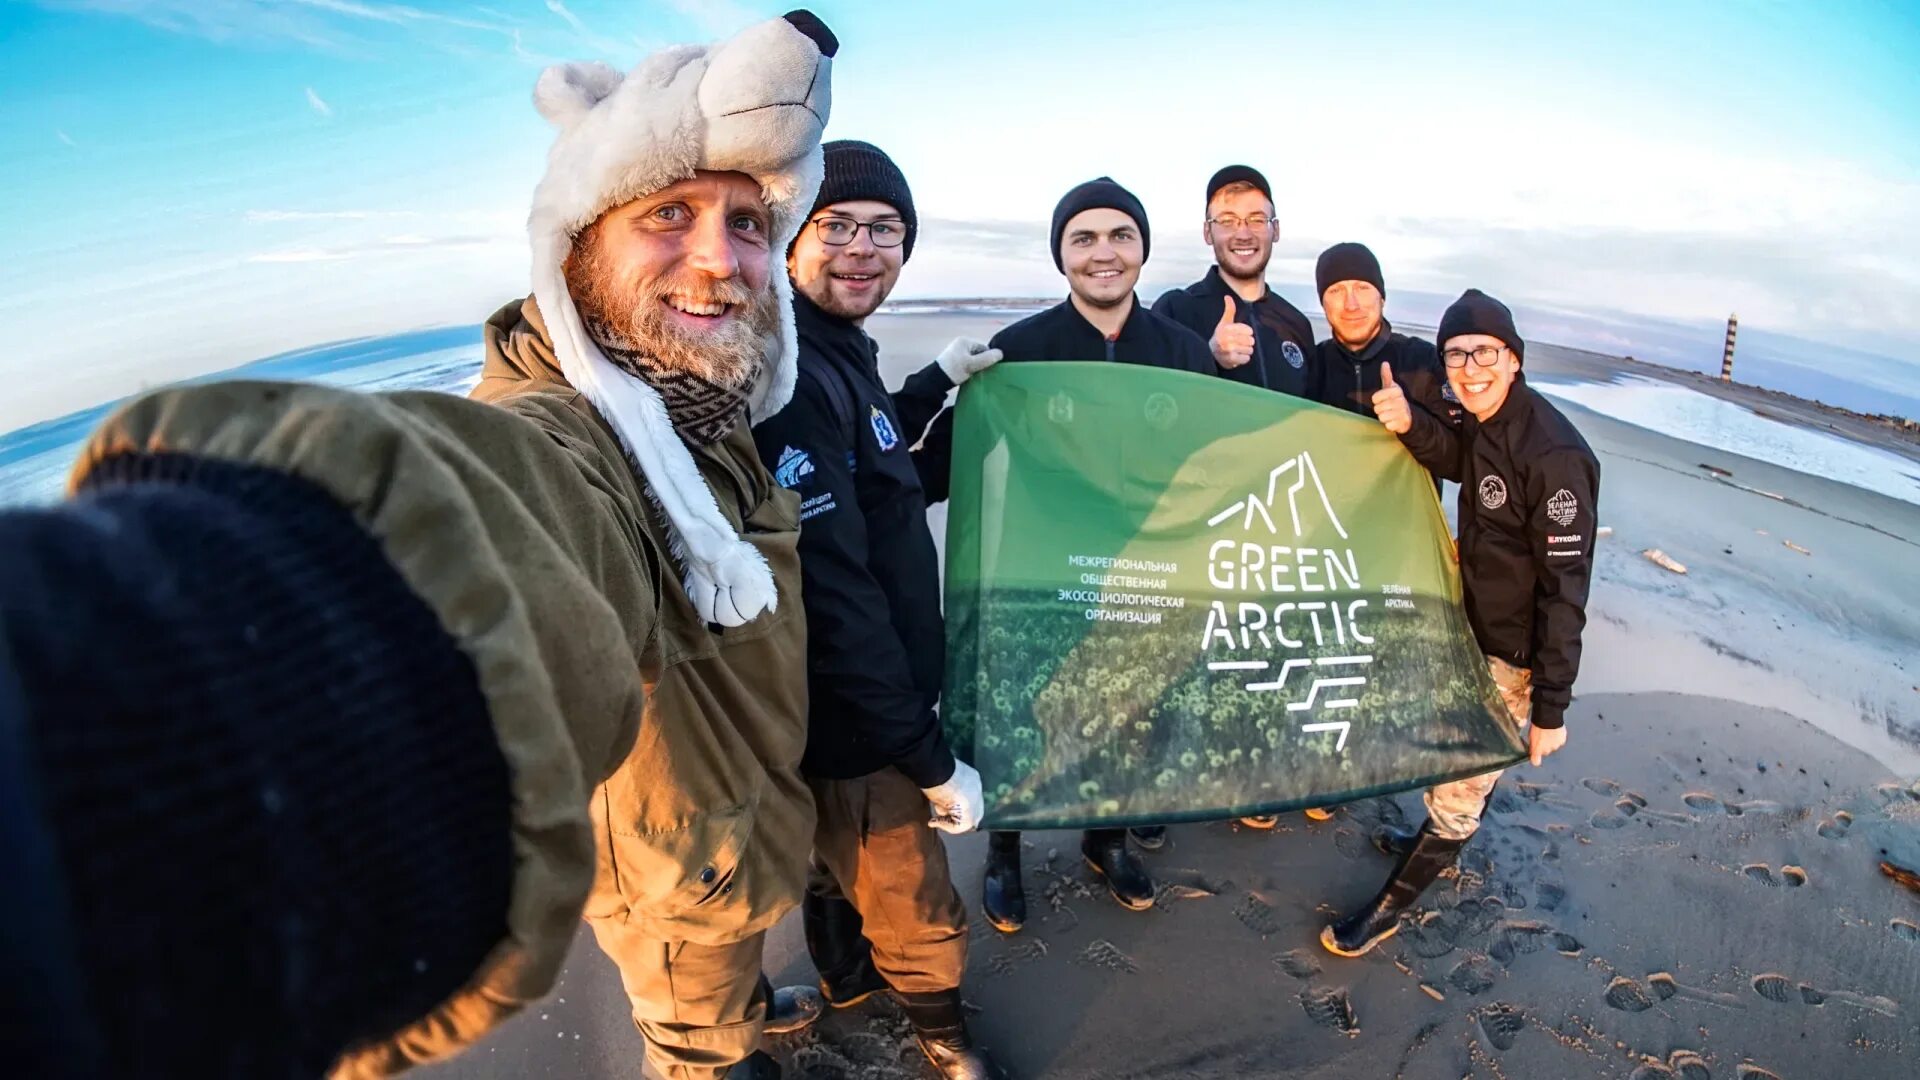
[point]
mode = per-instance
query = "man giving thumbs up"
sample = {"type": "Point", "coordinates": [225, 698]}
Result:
{"type": "Point", "coordinates": [1258, 338]}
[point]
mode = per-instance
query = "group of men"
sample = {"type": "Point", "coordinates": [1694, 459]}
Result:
{"type": "Point", "coordinates": [649, 631]}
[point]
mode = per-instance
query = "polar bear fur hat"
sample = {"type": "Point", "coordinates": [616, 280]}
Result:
{"type": "Point", "coordinates": [756, 104]}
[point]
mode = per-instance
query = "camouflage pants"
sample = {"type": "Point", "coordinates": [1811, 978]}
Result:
{"type": "Point", "coordinates": [1453, 810]}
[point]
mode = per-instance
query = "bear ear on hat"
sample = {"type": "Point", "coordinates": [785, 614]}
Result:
{"type": "Point", "coordinates": [567, 92]}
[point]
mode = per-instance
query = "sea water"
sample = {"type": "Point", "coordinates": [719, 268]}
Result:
{"type": "Point", "coordinates": [1709, 421]}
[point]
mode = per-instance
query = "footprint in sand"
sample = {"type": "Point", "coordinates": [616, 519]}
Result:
{"type": "Point", "coordinates": [1700, 800]}
{"type": "Point", "coordinates": [1329, 1007]}
{"type": "Point", "coordinates": [1474, 975]}
{"type": "Point", "coordinates": [1350, 843]}
{"type": "Point", "coordinates": [1502, 1024]}
{"type": "Point", "coordinates": [1776, 988]}
{"type": "Point", "coordinates": [1600, 785]}
{"type": "Point", "coordinates": [1652, 1070]}
{"type": "Point", "coordinates": [1791, 876]}
{"type": "Point", "coordinates": [1688, 1065]}
{"type": "Point", "coordinates": [1102, 953]}
{"type": "Point", "coordinates": [1518, 939]}
{"type": "Point", "coordinates": [1299, 963]}
{"type": "Point", "coordinates": [1257, 915]}
{"type": "Point", "coordinates": [1663, 985]}
{"type": "Point", "coordinates": [1755, 1072]}
{"type": "Point", "coordinates": [1835, 827]}
{"type": "Point", "coordinates": [1905, 931]}
{"type": "Point", "coordinates": [1627, 996]}
{"type": "Point", "coordinates": [1566, 944]}
{"type": "Point", "coordinates": [1607, 819]}
{"type": "Point", "coordinates": [1550, 895]}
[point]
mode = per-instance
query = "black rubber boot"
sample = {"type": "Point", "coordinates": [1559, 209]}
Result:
{"type": "Point", "coordinates": [1106, 851]}
{"type": "Point", "coordinates": [1358, 933]}
{"type": "Point", "coordinates": [757, 1067]}
{"type": "Point", "coordinates": [1149, 837]}
{"type": "Point", "coordinates": [791, 1008]}
{"type": "Point", "coordinates": [1395, 840]}
{"type": "Point", "coordinates": [940, 1026]}
{"type": "Point", "coordinates": [841, 954]}
{"type": "Point", "coordinates": [1001, 895]}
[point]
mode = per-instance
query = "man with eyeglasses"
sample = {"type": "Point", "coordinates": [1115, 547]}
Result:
{"type": "Point", "coordinates": [1255, 335]}
{"type": "Point", "coordinates": [1529, 490]}
{"type": "Point", "coordinates": [880, 910]}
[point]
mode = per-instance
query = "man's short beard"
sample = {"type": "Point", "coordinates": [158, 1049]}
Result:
{"type": "Point", "coordinates": [1256, 273]}
{"type": "Point", "coordinates": [613, 300]}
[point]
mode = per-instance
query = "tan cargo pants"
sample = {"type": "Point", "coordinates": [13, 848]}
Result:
{"type": "Point", "coordinates": [1454, 809]}
{"type": "Point", "coordinates": [873, 847]}
{"type": "Point", "coordinates": [699, 1006]}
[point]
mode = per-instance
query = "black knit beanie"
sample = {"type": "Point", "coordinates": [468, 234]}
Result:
{"type": "Point", "coordinates": [1233, 174]}
{"type": "Point", "coordinates": [859, 170]}
{"type": "Point", "coordinates": [1099, 194]}
{"type": "Point", "coordinates": [1477, 313]}
{"type": "Point", "coordinates": [1347, 262]}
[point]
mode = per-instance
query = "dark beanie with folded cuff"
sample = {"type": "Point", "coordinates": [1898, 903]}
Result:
{"type": "Point", "coordinates": [1099, 194]}
{"type": "Point", "coordinates": [1347, 262]}
{"type": "Point", "coordinates": [860, 170]}
{"type": "Point", "coordinates": [1477, 313]}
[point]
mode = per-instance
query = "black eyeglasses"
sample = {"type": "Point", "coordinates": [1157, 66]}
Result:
{"type": "Point", "coordinates": [837, 231]}
{"type": "Point", "coordinates": [1485, 356]}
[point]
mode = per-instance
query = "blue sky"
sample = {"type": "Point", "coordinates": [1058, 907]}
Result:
{"type": "Point", "coordinates": [196, 183]}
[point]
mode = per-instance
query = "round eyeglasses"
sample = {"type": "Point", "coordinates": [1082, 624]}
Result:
{"type": "Point", "coordinates": [836, 231]}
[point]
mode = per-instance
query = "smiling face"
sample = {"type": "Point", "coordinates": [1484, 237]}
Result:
{"type": "Point", "coordinates": [853, 279]}
{"type": "Point", "coordinates": [1102, 253]}
{"type": "Point", "coordinates": [683, 276]}
{"type": "Point", "coordinates": [1353, 311]}
{"type": "Point", "coordinates": [1481, 390]}
{"type": "Point", "coordinates": [1243, 252]}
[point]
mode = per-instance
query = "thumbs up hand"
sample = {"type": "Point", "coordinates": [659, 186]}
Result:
{"type": "Point", "coordinates": [1232, 342]}
{"type": "Point", "coordinates": [1390, 403]}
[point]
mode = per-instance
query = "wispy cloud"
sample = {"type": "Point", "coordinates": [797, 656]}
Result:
{"type": "Point", "coordinates": [399, 245]}
{"type": "Point", "coordinates": [321, 23]}
{"type": "Point", "coordinates": [65, 138]}
{"type": "Point", "coordinates": [263, 216]}
{"type": "Point", "coordinates": [573, 20]}
{"type": "Point", "coordinates": [319, 105]}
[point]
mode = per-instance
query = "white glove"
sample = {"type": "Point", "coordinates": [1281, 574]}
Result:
{"type": "Point", "coordinates": [958, 804]}
{"type": "Point", "coordinates": [965, 358]}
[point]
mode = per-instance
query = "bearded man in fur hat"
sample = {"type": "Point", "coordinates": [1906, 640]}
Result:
{"type": "Point", "coordinates": [323, 716]}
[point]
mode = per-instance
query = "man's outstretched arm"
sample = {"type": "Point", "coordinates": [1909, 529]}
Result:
{"type": "Point", "coordinates": [335, 674]}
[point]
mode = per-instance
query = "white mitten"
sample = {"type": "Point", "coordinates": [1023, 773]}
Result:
{"type": "Point", "coordinates": [964, 358]}
{"type": "Point", "coordinates": [958, 804]}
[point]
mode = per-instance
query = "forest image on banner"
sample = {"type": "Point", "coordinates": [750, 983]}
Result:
{"type": "Point", "coordinates": [1172, 597]}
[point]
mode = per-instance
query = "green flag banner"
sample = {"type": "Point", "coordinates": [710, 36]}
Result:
{"type": "Point", "coordinates": [1171, 597]}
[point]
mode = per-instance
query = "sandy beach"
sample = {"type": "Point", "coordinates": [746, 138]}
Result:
{"type": "Point", "coordinates": [1690, 889]}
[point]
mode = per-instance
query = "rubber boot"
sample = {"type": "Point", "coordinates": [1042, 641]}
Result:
{"type": "Point", "coordinates": [841, 954]}
{"type": "Point", "coordinates": [1149, 837]}
{"type": "Point", "coordinates": [1106, 851]}
{"type": "Point", "coordinates": [940, 1026]}
{"type": "Point", "coordinates": [756, 1067]}
{"type": "Point", "coordinates": [791, 1008]}
{"type": "Point", "coordinates": [1395, 840]}
{"type": "Point", "coordinates": [1379, 920]}
{"type": "Point", "coordinates": [1001, 895]}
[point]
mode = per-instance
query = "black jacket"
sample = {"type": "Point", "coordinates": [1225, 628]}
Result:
{"type": "Point", "coordinates": [1529, 498]}
{"type": "Point", "coordinates": [1348, 380]}
{"type": "Point", "coordinates": [1283, 350]}
{"type": "Point", "coordinates": [1062, 333]}
{"type": "Point", "coordinates": [876, 646]}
